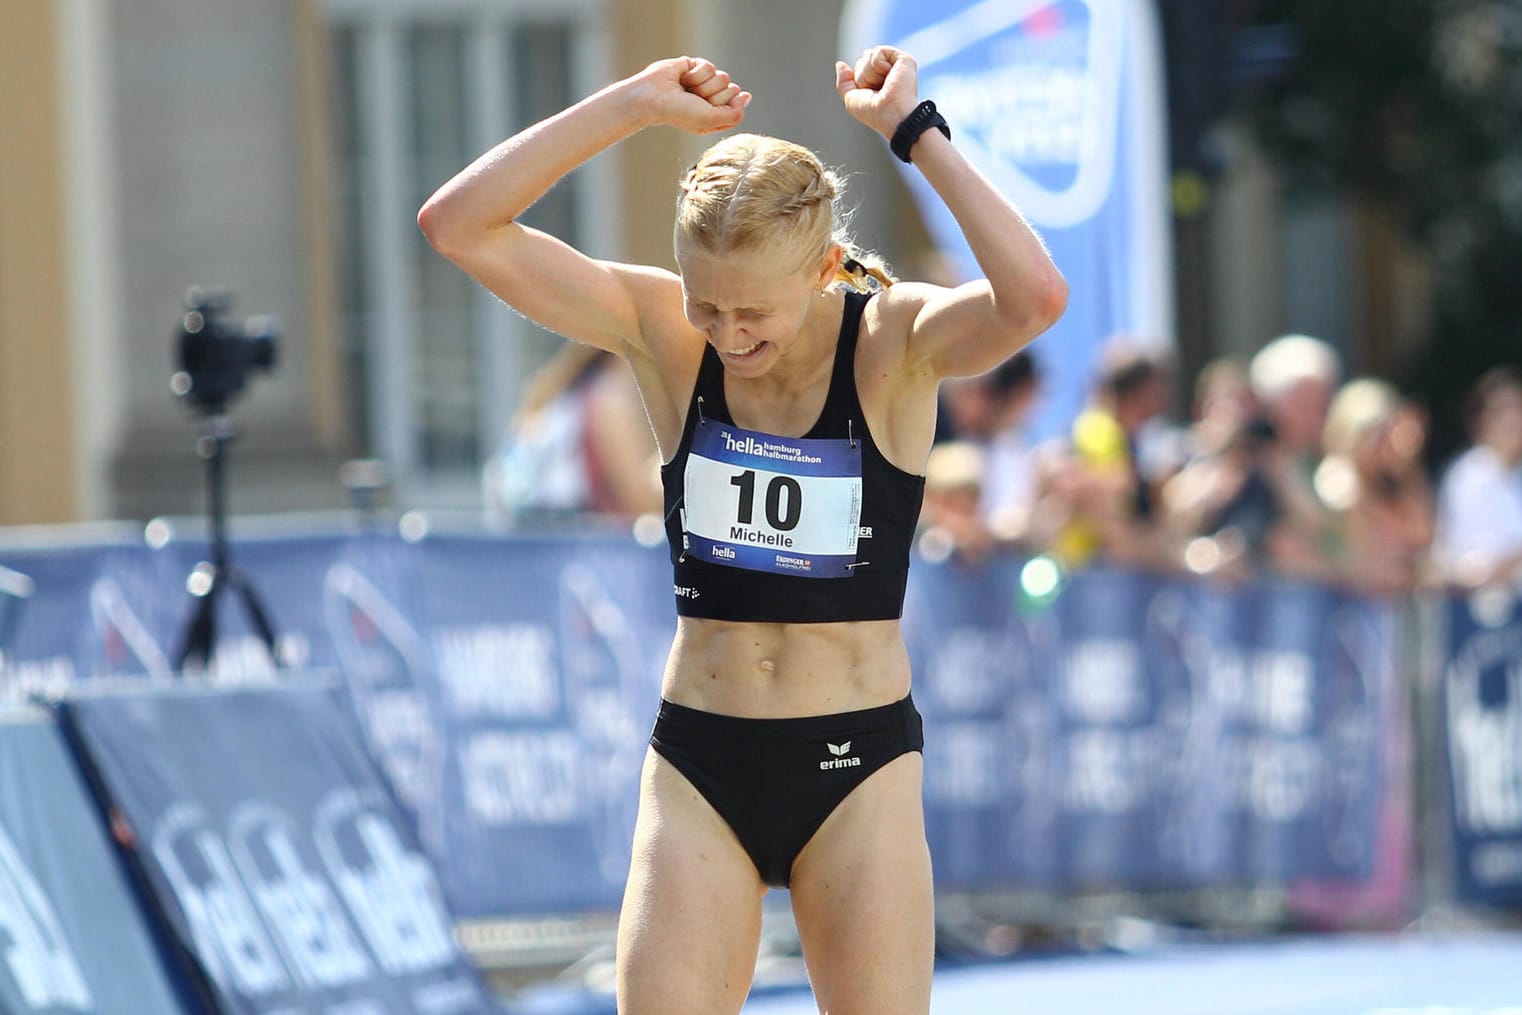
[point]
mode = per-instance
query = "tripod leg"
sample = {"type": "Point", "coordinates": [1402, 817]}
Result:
{"type": "Point", "coordinates": [257, 614]}
{"type": "Point", "coordinates": [200, 635]}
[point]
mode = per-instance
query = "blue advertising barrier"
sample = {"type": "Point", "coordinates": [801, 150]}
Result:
{"type": "Point", "coordinates": [1134, 732]}
{"type": "Point", "coordinates": [277, 855]}
{"type": "Point", "coordinates": [549, 655]}
{"type": "Point", "coordinates": [80, 621]}
{"type": "Point", "coordinates": [1143, 733]}
{"type": "Point", "coordinates": [1482, 713]}
{"type": "Point", "coordinates": [72, 935]}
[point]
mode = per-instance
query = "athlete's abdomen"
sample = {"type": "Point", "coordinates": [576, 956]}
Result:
{"type": "Point", "coordinates": [786, 670]}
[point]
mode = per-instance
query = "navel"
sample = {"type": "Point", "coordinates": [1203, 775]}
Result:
{"type": "Point", "coordinates": [767, 666]}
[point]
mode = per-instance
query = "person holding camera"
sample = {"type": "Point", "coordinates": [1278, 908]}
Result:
{"type": "Point", "coordinates": [794, 419]}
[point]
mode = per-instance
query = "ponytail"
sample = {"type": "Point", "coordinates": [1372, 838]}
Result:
{"type": "Point", "coordinates": [863, 272]}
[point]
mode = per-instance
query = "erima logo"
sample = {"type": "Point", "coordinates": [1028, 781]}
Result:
{"type": "Point", "coordinates": [684, 591]}
{"type": "Point", "coordinates": [840, 760]}
{"type": "Point", "coordinates": [864, 532]}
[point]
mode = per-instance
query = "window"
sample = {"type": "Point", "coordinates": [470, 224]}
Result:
{"type": "Point", "coordinates": [434, 364]}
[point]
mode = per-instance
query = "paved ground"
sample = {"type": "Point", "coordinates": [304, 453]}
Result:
{"type": "Point", "coordinates": [1343, 976]}
{"type": "Point", "coordinates": [1471, 974]}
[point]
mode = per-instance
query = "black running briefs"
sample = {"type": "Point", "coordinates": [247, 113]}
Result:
{"type": "Point", "coordinates": [775, 781]}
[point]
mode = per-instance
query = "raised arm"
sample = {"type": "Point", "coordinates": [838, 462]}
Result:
{"type": "Point", "coordinates": [472, 219]}
{"type": "Point", "coordinates": [972, 328]}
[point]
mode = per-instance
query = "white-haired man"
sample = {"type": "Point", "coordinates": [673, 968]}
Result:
{"type": "Point", "coordinates": [1293, 379]}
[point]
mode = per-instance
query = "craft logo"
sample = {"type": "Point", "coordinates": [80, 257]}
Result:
{"type": "Point", "coordinates": [33, 949]}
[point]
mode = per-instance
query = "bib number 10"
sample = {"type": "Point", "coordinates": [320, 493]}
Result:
{"type": "Point", "coordinates": [784, 500]}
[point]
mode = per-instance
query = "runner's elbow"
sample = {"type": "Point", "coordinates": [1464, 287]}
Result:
{"type": "Point", "coordinates": [1039, 304]}
{"type": "Point", "coordinates": [1051, 299]}
{"type": "Point", "coordinates": [448, 229]}
{"type": "Point", "coordinates": [434, 220]}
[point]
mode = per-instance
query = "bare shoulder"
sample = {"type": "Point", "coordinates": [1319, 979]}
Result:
{"type": "Point", "coordinates": [890, 318]}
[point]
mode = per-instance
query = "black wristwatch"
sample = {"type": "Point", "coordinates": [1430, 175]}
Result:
{"type": "Point", "coordinates": [916, 123]}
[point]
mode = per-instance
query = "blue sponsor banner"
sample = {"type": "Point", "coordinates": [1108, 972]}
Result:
{"type": "Point", "coordinates": [549, 655]}
{"type": "Point", "coordinates": [1135, 731]}
{"type": "Point", "coordinates": [81, 619]}
{"type": "Point", "coordinates": [1317, 681]}
{"type": "Point", "coordinates": [275, 851]}
{"type": "Point", "coordinates": [1195, 641]}
{"type": "Point", "coordinates": [1146, 733]}
{"type": "Point", "coordinates": [1058, 103]}
{"type": "Point", "coordinates": [983, 682]}
{"type": "Point", "coordinates": [1112, 730]}
{"type": "Point", "coordinates": [1482, 712]}
{"type": "Point", "coordinates": [349, 603]}
{"type": "Point", "coordinates": [73, 937]}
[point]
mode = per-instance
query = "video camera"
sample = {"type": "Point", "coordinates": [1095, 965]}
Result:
{"type": "Point", "coordinates": [216, 355]}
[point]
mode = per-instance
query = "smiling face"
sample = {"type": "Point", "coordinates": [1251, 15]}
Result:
{"type": "Point", "coordinates": [751, 306]}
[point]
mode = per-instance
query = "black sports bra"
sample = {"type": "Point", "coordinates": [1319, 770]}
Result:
{"type": "Point", "coordinates": [788, 530]}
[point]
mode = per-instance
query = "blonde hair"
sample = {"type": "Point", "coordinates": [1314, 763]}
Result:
{"type": "Point", "coordinates": [1359, 406]}
{"type": "Point", "coordinates": [751, 192]}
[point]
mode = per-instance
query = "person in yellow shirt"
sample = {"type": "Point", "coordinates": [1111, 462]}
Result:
{"type": "Point", "coordinates": [1112, 500]}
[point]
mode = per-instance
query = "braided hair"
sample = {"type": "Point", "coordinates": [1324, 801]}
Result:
{"type": "Point", "coordinates": [751, 192]}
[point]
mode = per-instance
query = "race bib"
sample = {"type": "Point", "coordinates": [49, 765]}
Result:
{"type": "Point", "coordinates": [768, 503]}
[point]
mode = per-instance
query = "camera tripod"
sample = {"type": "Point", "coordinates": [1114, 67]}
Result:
{"type": "Point", "coordinates": [208, 577]}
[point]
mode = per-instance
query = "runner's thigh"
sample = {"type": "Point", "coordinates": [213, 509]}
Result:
{"type": "Point", "coordinates": [691, 919]}
{"type": "Point", "coordinates": [863, 902]}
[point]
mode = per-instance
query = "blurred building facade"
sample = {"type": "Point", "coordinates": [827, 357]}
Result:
{"type": "Point", "coordinates": [281, 149]}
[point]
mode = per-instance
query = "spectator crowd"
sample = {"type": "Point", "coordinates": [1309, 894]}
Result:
{"type": "Point", "coordinates": [1283, 468]}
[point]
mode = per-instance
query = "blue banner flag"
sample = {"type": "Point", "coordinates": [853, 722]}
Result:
{"type": "Point", "coordinates": [1060, 104]}
{"type": "Point", "coordinates": [275, 851]}
{"type": "Point", "coordinates": [73, 937]}
{"type": "Point", "coordinates": [1482, 709]}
